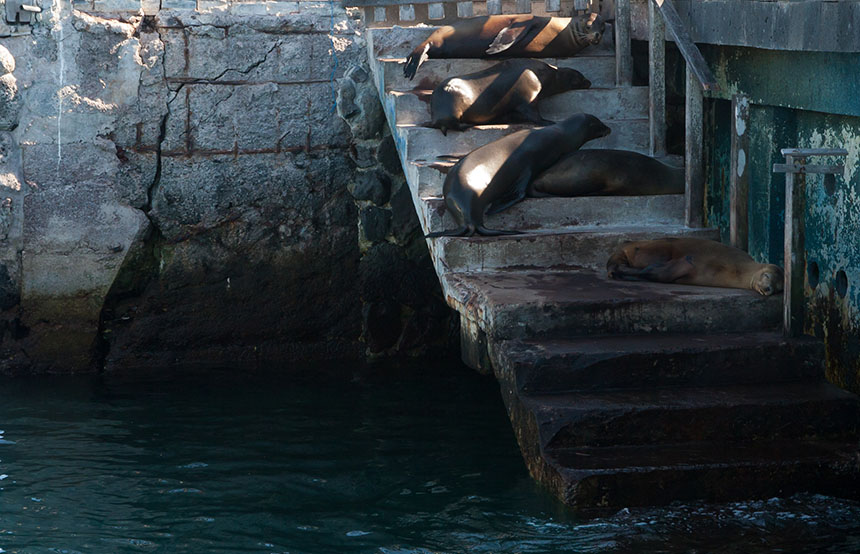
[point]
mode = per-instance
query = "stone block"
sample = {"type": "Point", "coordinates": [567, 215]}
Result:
{"type": "Point", "coordinates": [7, 61]}
{"type": "Point", "coordinates": [10, 103]}
{"type": "Point", "coordinates": [117, 5]}
{"type": "Point", "coordinates": [243, 116]}
{"type": "Point", "coordinates": [244, 56]}
{"type": "Point", "coordinates": [181, 5]}
{"type": "Point", "coordinates": [372, 185]}
{"type": "Point", "coordinates": [49, 166]}
{"type": "Point", "coordinates": [174, 52]}
{"type": "Point", "coordinates": [375, 223]}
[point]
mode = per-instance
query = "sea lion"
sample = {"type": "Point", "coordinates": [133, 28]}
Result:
{"type": "Point", "coordinates": [608, 173]}
{"type": "Point", "coordinates": [693, 262]}
{"type": "Point", "coordinates": [507, 89]}
{"type": "Point", "coordinates": [496, 175]}
{"type": "Point", "coordinates": [509, 36]}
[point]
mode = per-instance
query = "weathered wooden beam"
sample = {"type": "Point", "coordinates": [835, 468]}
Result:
{"type": "Point", "coordinates": [524, 6]}
{"type": "Point", "coordinates": [739, 177]}
{"type": "Point", "coordinates": [623, 58]}
{"type": "Point", "coordinates": [794, 252]}
{"type": "Point", "coordinates": [694, 193]}
{"type": "Point", "coordinates": [553, 5]}
{"type": "Point", "coordinates": [814, 152]}
{"type": "Point", "coordinates": [657, 81]}
{"type": "Point", "coordinates": [685, 44]}
{"type": "Point", "coordinates": [494, 7]}
{"type": "Point", "coordinates": [807, 168]}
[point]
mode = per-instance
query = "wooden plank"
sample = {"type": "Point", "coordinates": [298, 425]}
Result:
{"type": "Point", "coordinates": [814, 152]}
{"type": "Point", "coordinates": [464, 9]}
{"type": "Point", "coordinates": [657, 81]}
{"type": "Point", "coordinates": [524, 6]}
{"type": "Point", "coordinates": [379, 14]}
{"type": "Point", "coordinates": [686, 45]}
{"type": "Point", "coordinates": [794, 253]}
{"type": "Point", "coordinates": [739, 177]}
{"type": "Point", "coordinates": [806, 168]}
{"type": "Point", "coordinates": [580, 5]}
{"type": "Point", "coordinates": [436, 10]}
{"type": "Point", "coordinates": [494, 7]}
{"type": "Point", "coordinates": [623, 57]}
{"type": "Point", "coordinates": [553, 5]}
{"type": "Point", "coordinates": [694, 194]}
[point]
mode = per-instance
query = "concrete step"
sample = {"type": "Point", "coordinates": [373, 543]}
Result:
{"type": "Point", "coordinates": [600, 70]}
{"type": "Point", "coordinates": [570, 213]}
{"type": "Point", "coordinates": [583, 246]}
{"type": "Point", "coordinates": [600, 480]}
{"type": "Point", "coordinates": [425, 143]}
{"type": "Point", "coordinates": [553, 303]}
{"type": "Point", "coordinates": [649, 361]}
{"type": "Point", "coordinates": [682, 414]}
{"type": "Point", "coordinates": [413, 107]}
{"type": "Point", "coordinates": [398, 42]}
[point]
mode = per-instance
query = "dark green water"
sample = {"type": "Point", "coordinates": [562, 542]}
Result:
{"type": "Point", "coordinates": [412, 460]}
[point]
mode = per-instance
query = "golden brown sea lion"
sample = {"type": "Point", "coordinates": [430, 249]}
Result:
{"type": "Point", "coordinates": [508, 36]}
{"type": "Point", "coordinates": [507, 90]}
{"type": "Point", "coordinates": [693, 262]}
{"type": "Point", "coordinates": [608, 173]}
{"type": "Point", "coordinates": [496, 175]}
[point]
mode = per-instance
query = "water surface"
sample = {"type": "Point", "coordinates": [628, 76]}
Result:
{"type": "Point", "coordinates": [414, 459]}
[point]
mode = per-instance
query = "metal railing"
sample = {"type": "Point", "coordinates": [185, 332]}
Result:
{"type": "Point", "coordinates": [795, 169]}
{"type": "Point", "coordinates": [662, 16]}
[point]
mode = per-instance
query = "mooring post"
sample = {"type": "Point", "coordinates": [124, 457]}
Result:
{"type": "Point", "coordinates": [623, 57]}
{"type": "Point", "coordinates": [794, 252]}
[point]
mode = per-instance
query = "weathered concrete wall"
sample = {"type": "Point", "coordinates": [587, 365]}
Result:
{"type": "Point", "coordinates": [808, 100]}
{"type": "Point", "coordinates": [177, 187]}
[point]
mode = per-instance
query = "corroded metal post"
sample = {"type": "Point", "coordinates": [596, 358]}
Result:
{"type": "Point", "coordinates": [623, 58]}
{"type": "Point", "coordinates": [657, 80]}
{"type": "Point", "coordinates": [694, 192]}
{"type": "Point", "coordinates": [794, 252]}
{"type": "Point", "coordinates": [739, 178]}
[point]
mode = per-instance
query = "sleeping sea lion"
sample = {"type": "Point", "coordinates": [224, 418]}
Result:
{"type": "Point", "coordinates": [693, 262]}
{"type": "Point", "coordinates": [496, 175]}
{"type": "Point", "coordinates": [509, 36]}
{"type": "Point", "coordinates": [507, 89]}
{"type": "Point", "coordinates": [608, 173]}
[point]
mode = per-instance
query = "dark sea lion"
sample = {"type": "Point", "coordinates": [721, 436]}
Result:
{"type": "Point", "coordinates": [508, 89]}
{"type": "Point", "coordinates": [608, 173]}
{"type": "Point", "coordinates": [496, 175]}
{"type": "Point", "coordinates": [693, 262]}
{"type": "Point", "coordinates": [509, 36]}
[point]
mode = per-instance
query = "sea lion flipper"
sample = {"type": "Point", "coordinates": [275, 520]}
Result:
{"type": "Point", "coordinates": [530, 113]}
{"type": "Point", "coordinates": [485, 232]}
{"type": "Point", "coordinates": [415, 59]}
{"type": "Point", "coordinates": [507, 37]}
{"type": "Point", "coordinates": [518, 192]}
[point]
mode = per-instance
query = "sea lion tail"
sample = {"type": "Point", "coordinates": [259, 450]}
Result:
{"type": "Point", "coordinates": [485, 232]}
{"type": "Point", "coordinates": [464, 231]}
{"type": "Point", "coordinates": [414, 61]}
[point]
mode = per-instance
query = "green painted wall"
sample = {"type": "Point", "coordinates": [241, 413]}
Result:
{"type": "Point", "coordinates": [800, 99]}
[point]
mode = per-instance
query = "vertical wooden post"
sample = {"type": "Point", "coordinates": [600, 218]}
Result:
{"type": "Point", "coordinates": [739, 178]}
{"type": "Point", "coordinates": [694, 194]}
{"type": "Point", "coordinates": [657, 79]}
{"type": "Point", "coordinates": [794, 248]}
{"type": "Point", "coordinates": [623, 58]}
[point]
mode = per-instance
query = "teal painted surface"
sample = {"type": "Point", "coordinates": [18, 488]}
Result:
{"type": "Point", "coordinates": [809, 100]}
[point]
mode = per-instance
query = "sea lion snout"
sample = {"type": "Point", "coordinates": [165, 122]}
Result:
{"type": "Point", "coordinates": [769, 280]}
{"type": "Point", "coordinates": [572, 79]}
{"type": "Point", "coordinates": [595, 27]}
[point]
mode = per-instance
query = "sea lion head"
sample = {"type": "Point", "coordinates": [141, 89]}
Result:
{"type": "Point", "coordinates": [596, 128]}
{"type": "Point", "coordinates": [588, 28]}
{"type": "Point", "coordinates": [768, 280]}
{"type": "Point", "coordinates": [571, 79]}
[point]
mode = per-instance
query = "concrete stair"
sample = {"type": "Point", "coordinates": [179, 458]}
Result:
{"type": "Point", "coordinates": [620, 393]}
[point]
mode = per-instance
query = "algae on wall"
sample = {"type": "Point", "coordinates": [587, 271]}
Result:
{"type": "Point", "coordinates": [807, 100]}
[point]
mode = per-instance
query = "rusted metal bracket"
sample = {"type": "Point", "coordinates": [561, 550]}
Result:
{"type": "Point", "coordinates": [795, 169]}
{"type": "Point", "coordinates": [21, 12]}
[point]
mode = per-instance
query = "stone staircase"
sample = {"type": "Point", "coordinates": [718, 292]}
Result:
{"type": "Point", "coordinates": [620, 393]}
